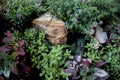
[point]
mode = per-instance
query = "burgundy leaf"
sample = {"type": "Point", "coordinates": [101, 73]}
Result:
{"type": "Point", "coordinates": [21, 51]}
{"type": "Point", "coordinates": [21, 43]}
{"type": "Point", "coordinates": [12, 47]}
{"type": "Point", "coordinates": [99, 64]}
{"type": "Point", "coordinates": [86, 61]}
{"type": "Point", "coordinates": [27, 68]}
{"type": "Point", "coordinates": [1, 78]}
{"type": "Point", "coordinates": [17, 58]}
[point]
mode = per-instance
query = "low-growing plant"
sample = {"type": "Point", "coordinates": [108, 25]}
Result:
{"type": "Point", "coordinates": [37, 45]}
{"type": "Point", "coordinates": [53, 63]}
{"type": "Point", "coordinates": [78, 15]}
{"type": "Point", "coordinates": [22, 11]}
{"type": "Point", "coordinates": [81, 15]}
{"type": "Point", "coordinates": [83, 68]}
{"type": "Point", "coordinates": [13, 56]}
{"type": "Point", "coordinates": [110, 54]}
{"type": "Point", "coordinates": [49, 59]}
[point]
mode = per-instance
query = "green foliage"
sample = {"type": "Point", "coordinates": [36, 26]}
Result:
{"type": "Point", "coordinates": [21, 11]}
{"type": "Point", "coordinates": [49, 59]}
{"type": "Point", "coordinates": [53, 63]}
{"type": "Point", "coordinates": [37, 45]}
{"type": "Point", "coordinates": [80, 15]}
{"type": "Point", "coordinates": [110, 54]}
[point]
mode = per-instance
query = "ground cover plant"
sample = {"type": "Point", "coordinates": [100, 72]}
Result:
{"type": "Point", "coordinates": [26, 53]}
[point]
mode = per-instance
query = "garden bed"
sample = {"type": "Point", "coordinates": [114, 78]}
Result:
{"type": "Point", "coordinates": [60, 40]}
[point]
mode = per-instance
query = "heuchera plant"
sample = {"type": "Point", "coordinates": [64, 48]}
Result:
{"type": "Point", "coordinates": [82, 68]}
{"type": "Point", "coordinates": [12, 55]}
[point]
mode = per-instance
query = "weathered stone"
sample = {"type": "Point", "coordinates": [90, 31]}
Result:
{"type": "Point", "coordinates": [53, 27]}
{"type": "Point", "coordinates": [100, 35]}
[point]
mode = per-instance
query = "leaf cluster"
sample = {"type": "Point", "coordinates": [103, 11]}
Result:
{"type": "Point", "coordinates": [110, 54]}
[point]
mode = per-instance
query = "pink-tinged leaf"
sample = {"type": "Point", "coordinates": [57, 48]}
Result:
{"type": "Point", "coordinates": [99, 64]}
{"type": "Point", "coordinates": [86, 61]}
{"type": "Point", "coordinates": [101, 73]}
{"type": "Point", "coordinates": [17, 58]}
{"type": "Point", "coordinates": [21, 51]}
{"type": "Point", "coordinates": [9, 34]}
{"type": "Point", "coordinates": [4, 49]}
{"type": "Point", "coordinates": [78, 58]}
{"type": "Point", "coordinates": [21, 43]}
{"type": "Point", "coordinates": [12, 47]}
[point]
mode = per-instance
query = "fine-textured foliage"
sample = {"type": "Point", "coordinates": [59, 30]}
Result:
{"type": "Point", "coordinates": [110, 54]}
{"type": "Point", "coordinates": [53, 63]}
{"type": "Point", "coordinates": [78, 15]}
{"type": "Point", "coordinates": [81, 15]}
{"type": "Point", "coordinates": [37, 45]}
{"type": "Point", "coordinates": [19, 12]}
{"type": "Point", "coordinates": [45, 57]}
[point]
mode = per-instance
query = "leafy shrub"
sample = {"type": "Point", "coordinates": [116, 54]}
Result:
{"type": "Point", "coordinates": [81, 15]}
{"type": "Point", "coordinates": [83, 68]}
{"type": "Point", "coordinates": [37, 45]}
{"type": "Point", "coordinates": [78, 15]}
{"type": "Point", "coordinates": [11, 55]}
{"type": "Point", "coordinates": [53, 63]}
{"type": "Point", "coordinates": [19, 12]}
{"type": "Point", "coordinates": [110, 54]}
{"type": "Point", "coordinates": [49, 59]}
{"type": "Point", "coordinates": [45, 57]}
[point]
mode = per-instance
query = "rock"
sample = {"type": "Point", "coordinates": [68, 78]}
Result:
{"type": "Point", "coordinates": [100, 35]}
{"type": "Point", "coordinates": [53, 27]}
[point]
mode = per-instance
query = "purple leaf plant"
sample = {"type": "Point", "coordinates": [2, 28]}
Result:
{"type": "Point", "coordinates": [79, 63]}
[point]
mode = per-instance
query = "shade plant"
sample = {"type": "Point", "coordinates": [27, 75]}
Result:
{"type": "Point", "coordinates": [109, 54]}
{"type": "Point", "coordinates": [13, 57]}
{"type": "Point", "coordinates": [83, 68]}
{"type": "Point", "coordinates": [81, 15]}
